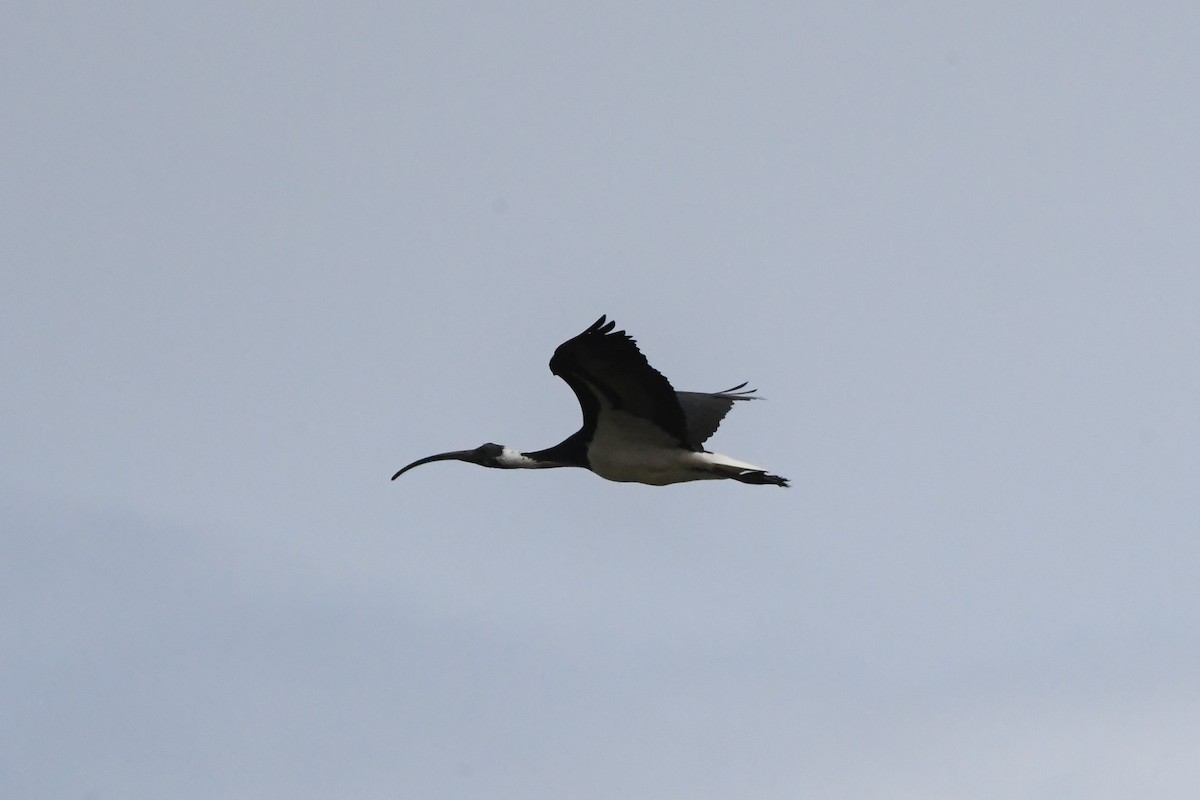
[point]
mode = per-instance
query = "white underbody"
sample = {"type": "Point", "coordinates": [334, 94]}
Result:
{"type": "Point", "coordinates": [629, 449]}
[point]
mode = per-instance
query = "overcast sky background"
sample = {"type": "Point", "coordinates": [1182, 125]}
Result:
{"type": "Point", "coordinates": [257, 257]}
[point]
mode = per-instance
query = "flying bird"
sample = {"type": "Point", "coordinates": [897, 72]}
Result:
{"type": "Point", "coordinates": [636, 427]}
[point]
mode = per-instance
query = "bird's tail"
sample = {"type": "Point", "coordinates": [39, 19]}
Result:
{"type": "Point", "coordinates": [726, 467]}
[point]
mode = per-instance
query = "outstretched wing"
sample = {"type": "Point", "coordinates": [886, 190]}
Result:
{"type": "Point", "coordinates": [704, 411]}
{"type": "Point", "coordinates": [606, 370]}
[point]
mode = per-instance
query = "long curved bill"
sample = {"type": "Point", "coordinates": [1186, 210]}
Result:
{"type": "Point", "coordinates": [454, 455]}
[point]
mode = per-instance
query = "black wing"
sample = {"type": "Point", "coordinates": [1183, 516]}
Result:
{"type": "Point", "coordinates": [602, 365]}
{"type": "Point", "coordinates": [704, 411]}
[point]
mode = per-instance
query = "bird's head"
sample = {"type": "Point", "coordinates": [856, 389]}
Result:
{"type": "Point", "coordinates": [486, 455]}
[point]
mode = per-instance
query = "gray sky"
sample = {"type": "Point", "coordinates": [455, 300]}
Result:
{"type": "Point", "coordinates": [258, 258]}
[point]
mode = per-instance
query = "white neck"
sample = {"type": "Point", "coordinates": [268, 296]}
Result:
{"type": "Point", "coordinates": [515, 459]}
